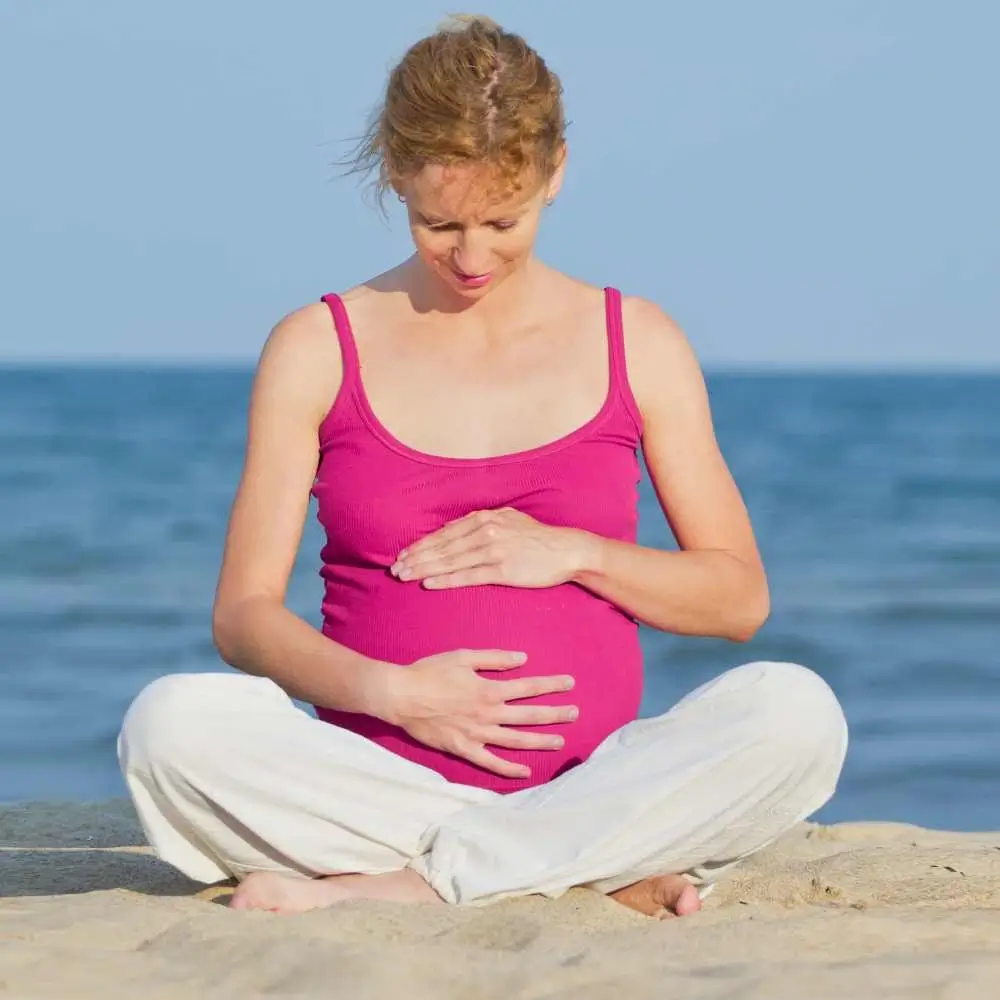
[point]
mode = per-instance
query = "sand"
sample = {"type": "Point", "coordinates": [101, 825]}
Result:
{"type": "Point", "coordinates": [848, 911]}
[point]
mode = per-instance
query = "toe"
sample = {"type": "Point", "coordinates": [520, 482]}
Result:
{"type": "Point", "coordinates": [676, 897]}
{"type": "Point", "coordinates": [260, 891]}
{"type": "Point", "coordinates": [688, 902]}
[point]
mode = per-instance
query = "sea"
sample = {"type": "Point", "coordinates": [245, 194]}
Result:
{"type": "Point", "coordinates": [875, 498]}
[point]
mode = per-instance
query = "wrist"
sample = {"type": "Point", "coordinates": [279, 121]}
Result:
{"type": "Point", "coordinates": [586, 556]}
{"type": "Point", "coordinates": [378, 689]}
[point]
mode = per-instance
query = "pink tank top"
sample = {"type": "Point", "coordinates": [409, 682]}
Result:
{"type": "Point", "coordinates": [376, 496]}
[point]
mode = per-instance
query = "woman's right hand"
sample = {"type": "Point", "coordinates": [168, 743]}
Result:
{"type": "Point", "coordinates": [442, 701]}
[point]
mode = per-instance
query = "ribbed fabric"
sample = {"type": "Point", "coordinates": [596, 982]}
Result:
{"type": "Point", "coordinates": [376, 496]}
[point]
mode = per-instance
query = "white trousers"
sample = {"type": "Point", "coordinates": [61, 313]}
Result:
{"type": "Point", "coordinates": [230, 777]}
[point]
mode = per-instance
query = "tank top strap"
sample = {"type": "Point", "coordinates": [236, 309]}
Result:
{"type": "Point", "coordinates": [616, 354]}
{"type": "Point", "coordinates": [348, 348]}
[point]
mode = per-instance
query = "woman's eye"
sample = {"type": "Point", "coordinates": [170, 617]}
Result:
{"type": "Point", "coordinates": [502, 226]}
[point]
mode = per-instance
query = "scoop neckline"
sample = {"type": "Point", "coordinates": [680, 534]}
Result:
{"type": "Point", "coordinates": [394, 443]}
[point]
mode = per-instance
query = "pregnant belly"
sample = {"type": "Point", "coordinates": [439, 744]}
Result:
{"type": "Point", "coordinates": [563, 630]}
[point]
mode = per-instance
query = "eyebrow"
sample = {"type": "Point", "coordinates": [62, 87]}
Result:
{"type": "Point", "coordinates": [433, 220]}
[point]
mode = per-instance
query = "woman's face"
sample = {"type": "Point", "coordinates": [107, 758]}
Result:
{"type": "Point", "coordinates": [466, 237]}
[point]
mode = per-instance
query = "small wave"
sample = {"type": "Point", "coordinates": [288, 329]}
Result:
{"type": "Point", "coordinates": [943, 612]}
{"type": "Point", "coordinates": [950, 487]}
{"type": "Point", "coordinates": [103, 616]}
{"type": "Point", "coordinates": [57, 556]}
{"type": "Point", "coordinates": [937, 677]}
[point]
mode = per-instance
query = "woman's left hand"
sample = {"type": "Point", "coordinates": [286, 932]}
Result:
{"type": "Point", "coordinates": [495, 546]}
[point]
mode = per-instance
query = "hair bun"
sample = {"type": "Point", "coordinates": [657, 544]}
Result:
{"type": "Point", "coordinates": [471, 93]}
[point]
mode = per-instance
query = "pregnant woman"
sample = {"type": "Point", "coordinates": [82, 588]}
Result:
{"type": "Point", "coordinates": [469, 423]}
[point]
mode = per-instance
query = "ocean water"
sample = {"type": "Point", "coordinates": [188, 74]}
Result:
{"type": "Point", "coordinates": [876, 501]}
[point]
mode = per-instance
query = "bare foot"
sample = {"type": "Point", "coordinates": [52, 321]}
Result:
{"type": "Point", "coordinates": [660, 896]}
{"type": "Point", "coordinates": [287, 894]}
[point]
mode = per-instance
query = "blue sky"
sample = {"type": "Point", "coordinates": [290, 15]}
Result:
{"type": "Point", "coordinates": [798, 184]}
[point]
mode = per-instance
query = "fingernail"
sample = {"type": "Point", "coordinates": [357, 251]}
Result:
{"type": "Point", "coordinates": [518, 657]}
{"type": "Point", "coordinates": [404, 574]}
{"type": "Point", "coordinates": [574, 713]}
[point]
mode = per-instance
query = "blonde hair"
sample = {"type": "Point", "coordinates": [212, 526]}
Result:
{"type": "Point", "coordinates": [469, 93]}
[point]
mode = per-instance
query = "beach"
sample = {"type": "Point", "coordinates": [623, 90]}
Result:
{"type": "Point", "coordinates": [847, 910]}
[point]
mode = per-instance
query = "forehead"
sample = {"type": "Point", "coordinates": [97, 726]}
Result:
{"type": "Point", "coordinates": [467, 191]}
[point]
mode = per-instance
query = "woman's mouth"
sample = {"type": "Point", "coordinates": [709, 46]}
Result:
{"type": "Point", "coordinates": [472, 280]}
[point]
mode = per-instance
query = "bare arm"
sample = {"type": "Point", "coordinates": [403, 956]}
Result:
{"type": "Point", "coordinates": [297, 379]}
{"type": "Point", "coordinates": [715, 585]}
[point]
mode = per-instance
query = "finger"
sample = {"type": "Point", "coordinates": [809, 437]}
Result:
{"type": "Point", "coordinates": [437, 563]}
{"type": "Point", "coordinates": [479, 537]}
{"type": "Point", "coordinates": [514, 739]}
{"type": "Point", "coordinates": [490, 659]}
{"type": "Point", "coordinates": [537, 715]}
{"type": "Point", "coordinates": [452, 530]}
{"type": "Point", "coordinates": [478, 576]}
{"type": "Point", "coordinates": [491, 762]}
{"type": "Point", "coordinates": [532, 687]}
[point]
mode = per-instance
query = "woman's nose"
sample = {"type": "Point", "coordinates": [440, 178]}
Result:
{"type": "Point", "coordinates": [471, 254]}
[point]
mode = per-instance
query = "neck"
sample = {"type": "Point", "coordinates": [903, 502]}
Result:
{"type": "Point", "coordinates": [499, 305]}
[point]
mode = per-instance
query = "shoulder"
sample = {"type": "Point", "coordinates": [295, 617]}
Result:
{"type": "Point", "coordinates": [300, 365]}
{"type": "Point", "coordinates": [308, 329]}
{"type": "Point", "coordinates": [650, 334]}
{"type": "Point", "coordinates": [661, 361]}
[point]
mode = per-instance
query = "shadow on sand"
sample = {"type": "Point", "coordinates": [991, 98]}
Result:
{"type": "Point", "coordinates": [49, 849]}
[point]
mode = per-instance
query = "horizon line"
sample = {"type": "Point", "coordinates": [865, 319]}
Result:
{"type": "Point", "coordinates": [237, 365]}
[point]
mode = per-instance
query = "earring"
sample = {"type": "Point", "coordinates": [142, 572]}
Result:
{"type": "Point", "coordinates": [549, 201]}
